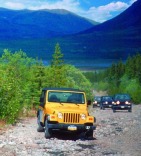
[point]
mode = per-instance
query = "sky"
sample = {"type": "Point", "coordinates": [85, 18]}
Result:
{"type": "Point", "coordinates": [97, 10]}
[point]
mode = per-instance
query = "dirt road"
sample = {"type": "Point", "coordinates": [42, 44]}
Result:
{"type": "Point", "coordinates": [117, 134]}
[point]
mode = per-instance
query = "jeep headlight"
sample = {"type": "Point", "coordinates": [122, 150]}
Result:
{"type": "Point", "coordinates": [60, 115]}
{"type": "Point", "coordinates": [127, 103]}
{"type": "Point", "coordinates": [83, 116]}
{"type": "Point", "coordinates": [118, 102]}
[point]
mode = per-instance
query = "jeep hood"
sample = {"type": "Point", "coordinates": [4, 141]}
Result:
{"type": "Point", "coordinates": [68, 109]}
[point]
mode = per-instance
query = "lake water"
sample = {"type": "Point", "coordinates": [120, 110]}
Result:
{"type": "Point", "coordinates": [89, 64]}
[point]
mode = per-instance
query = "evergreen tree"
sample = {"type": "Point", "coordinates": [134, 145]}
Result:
{"type": "Point", "coordinates": [57, 57]}
{"type": "Point", "coordinates": [130, 67]}
{"type": "Point", "coordinates": [14, 87]}
{"type": "Point", "coordinates": [137, 67]}
{"type": "Point", "coordinates": [38, 79]}
{"type": "Point", "coordinates": [57, 72]}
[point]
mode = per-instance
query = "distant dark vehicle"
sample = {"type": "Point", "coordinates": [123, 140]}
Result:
{"type": "Point", "coordinates": [122, 102]}
{"type": "Point", "coordinates": [106, 102]}
{"type": "Point", "coordinates": [97, 100]}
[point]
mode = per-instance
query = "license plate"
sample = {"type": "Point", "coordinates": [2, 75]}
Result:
{"type": "Point", "coordinates": [110, 105]}
{"type": "Point", "coordinates": [72, 128]}
{"type": "Point", "coordinates": [122, 106]}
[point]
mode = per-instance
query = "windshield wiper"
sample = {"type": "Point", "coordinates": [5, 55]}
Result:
{"type": "Point", "coordinates": [76, 104]}
{"type": "Point", "coordinates": [61, 103]}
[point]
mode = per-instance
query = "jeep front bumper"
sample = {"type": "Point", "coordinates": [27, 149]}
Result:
{"type": "Point", "coordinates": [71, 127]}
{"type": "Point", "coordinates": [120, 107]}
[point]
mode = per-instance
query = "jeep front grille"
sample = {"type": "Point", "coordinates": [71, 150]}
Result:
{"type": "Point", "coordinates": [71, 117]}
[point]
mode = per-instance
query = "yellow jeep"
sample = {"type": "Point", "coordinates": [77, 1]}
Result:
{"type": "Point", "coordinates": [64, 109]}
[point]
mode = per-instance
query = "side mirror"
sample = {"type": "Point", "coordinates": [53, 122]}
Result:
{"type": "Point", "coordinates": [89, 102]}
{"type": "Point", "coordinates": [42, 102]}
{"type": "Point", "coordinates": [41, 99]}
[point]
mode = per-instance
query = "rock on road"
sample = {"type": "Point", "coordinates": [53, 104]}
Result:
{"type": "Point", "coordinates": [117, 134]}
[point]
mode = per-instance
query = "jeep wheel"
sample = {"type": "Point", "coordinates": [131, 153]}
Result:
{"type": "Point", "coordinates": [129, 110]}
{"type": "Point", "coordinates": [114, 110]}
{"type": "Point", "coordinates": [40, 128]}
{"type": "Point", "coordinates": [89, 134]}
{"type": "Point", "coordinates": [86, 135]}
{"type": "Point", "coordinates": [48, 132]}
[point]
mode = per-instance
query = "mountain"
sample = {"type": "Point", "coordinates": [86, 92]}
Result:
{"type": "Point", "coordinates": [129, 18]}
{"type": "Point", "coordinates": [40, 24]}
{"type": "Point", "coordinates": [114, 39]}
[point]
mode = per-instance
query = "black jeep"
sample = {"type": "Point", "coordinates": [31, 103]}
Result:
{"type": "Point", "coordinates": [106, 102]}
{"type": "Point", "coordinates": [122, 102]}
{"type": "Point", "coordinates": [96, 101]}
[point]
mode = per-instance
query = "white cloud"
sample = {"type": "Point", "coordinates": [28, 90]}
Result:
{"type": "Point", "coordinates": [100, 14]}
{"type": "Point", "coordinates": [132, 1]}
{"type": "Point", "coordinates": [15, 5]}
{"type": "Point", "coordinates": [113, 6]}
{"type": "Point", "coordinates": [71, 5]}
{"type": "Point", "coordinates": [103, 13]}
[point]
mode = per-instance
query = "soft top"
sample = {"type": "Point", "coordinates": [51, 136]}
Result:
{"type": "Point", "coordinates": [63, 89]}
{"type": "Point", "coordinates": [121, 94]}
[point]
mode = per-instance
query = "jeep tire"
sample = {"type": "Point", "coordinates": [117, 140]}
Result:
{"type": "Point", "coordinates": [86, 135]}
{"type": "Point", "coordinates": [130, 110]}
{"type": "Point", "coordinates": [40, 128]}
{"type": "Point", "coordinates": [89, 134]}
{"type": "Point", "coordinates": [48, 132]}
{"type": "Point", "coordinates": [114, 110]}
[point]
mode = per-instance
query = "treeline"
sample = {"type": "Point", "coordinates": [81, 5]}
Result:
{"type": "Point", "coordinates": [22, 78]}
{"type": "Point", "coordinates": [120, 78]}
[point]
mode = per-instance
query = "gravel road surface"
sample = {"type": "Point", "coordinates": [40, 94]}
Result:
{"type": "Point", "coordinates": [117, 134]}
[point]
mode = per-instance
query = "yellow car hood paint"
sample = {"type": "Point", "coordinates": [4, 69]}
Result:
{"type": "Point", "coordinates": [69, 108]}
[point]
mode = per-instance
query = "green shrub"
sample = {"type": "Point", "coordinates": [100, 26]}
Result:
{"type": "Point", "coordinates": [132, 87]}
{"type": "Point", "coordinates": [101, 85]}
{"type": "Point", "coordinates": [22, 78]}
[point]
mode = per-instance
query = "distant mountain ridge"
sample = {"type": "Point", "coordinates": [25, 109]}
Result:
{"type": "Point", "coordinates": [40, 23]}
{"type": "Point", "coordinates": [114, 39]}
{"type": "Point", "coordinates": [131, 17]}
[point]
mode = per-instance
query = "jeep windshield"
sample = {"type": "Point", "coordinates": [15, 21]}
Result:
{"type": "Point", "coordinates": [107, 98]}
{"type": "Point", "coordinates": [122, 97]}
{"type": "Point", "coordinates": [66, 97]}
{"type": "Point", "coordinates": [97, 98]}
